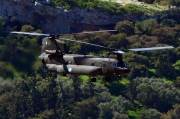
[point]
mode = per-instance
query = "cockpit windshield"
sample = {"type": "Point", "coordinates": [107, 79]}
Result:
{"type": "Point", "coordinates": [121, 64]}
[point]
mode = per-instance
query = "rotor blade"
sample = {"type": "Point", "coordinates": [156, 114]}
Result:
{"type": "Point", "coordinates": [87, 43]}
{"type": "Point", "coordinates": [41, 34]}
{"type": "Point", "coordinates": [89, 32]}
{"type": "Point", "coordinates": [30, 33]}
{"type": "Point", "coordinates": [118, 52]}
{"type": "Point", "coordinates": [151, 48]}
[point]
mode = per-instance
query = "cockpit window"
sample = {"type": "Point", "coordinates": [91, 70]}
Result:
{"type": "Point", "coordinates": [121, 64]}
{"type": "Point", "coordinates": [114, 64]}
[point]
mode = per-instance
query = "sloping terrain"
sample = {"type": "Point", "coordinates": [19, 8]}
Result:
{"type": "Point", "coordinates": [136, 2]}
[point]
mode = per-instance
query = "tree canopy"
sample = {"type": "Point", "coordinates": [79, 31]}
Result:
{"type": "Point", "coordinates": [151, 90]}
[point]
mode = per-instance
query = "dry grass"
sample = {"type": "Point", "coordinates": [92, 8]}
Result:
{"type": "Point", "coordinates": [124, 2]}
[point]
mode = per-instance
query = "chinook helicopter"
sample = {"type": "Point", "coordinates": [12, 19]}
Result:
{"type": "Point", "coordinates": [56, 58]}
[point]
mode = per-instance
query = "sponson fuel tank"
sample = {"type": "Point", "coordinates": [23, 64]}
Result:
{"type": "Point", "coordinates": [75, 69]}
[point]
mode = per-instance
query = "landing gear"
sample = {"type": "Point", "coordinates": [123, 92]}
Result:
{"type": "Point", "coordinates": [49, 74]}
{"type": "Point", "coordinates": [93, 79]}
{"type": "Point", "coordinates": [64, 74]}
{"type": "Point", "coordinates": [107, 79]}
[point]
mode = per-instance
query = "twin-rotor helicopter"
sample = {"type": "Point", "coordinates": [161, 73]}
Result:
{"type": "Point", "coordinates": [55, 56]}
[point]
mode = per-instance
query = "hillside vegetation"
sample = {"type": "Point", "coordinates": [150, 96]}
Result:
{"type": "Point", "coordinates": [112, 7]}
{"type": "Point", "coordinates": [150, 91]}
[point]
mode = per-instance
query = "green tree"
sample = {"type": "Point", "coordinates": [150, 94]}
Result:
{"type": "Point", "coordinates": [46, 114]}
{"type": "Point", "coordinates": [143, 41]}
{"type": "Point", "coordinates": [117, 108]}
{"type": "Point", "coordinates": [6, 109]}
{"type": "Point", "coordinates": [174, 2]}
{"type": "Point", "coordinates": [86, 109]}
{"type": "Point", "coordinates": [118, 41]}
{"type": "Point", "coordinates": [2, 23]}
{"type": "Point", "coordinates": [150, 114]}
{"type": "Point", "coordinates": [147, 26]}
{"type": "Point", "coordinates": [52, 95]}
{"type": "Point", "coordinates": [168, 23]}
{"type": "Point", "coordinates": [165, 69]}
{"type": "Point", "coordinates": [27, 28]}
{"type": "Point", "coordinates": [167, 35]}
{"type": "Point", "coordinates": [5, 86]}
{"type": "Point", "coordinates": [138, 63]}
{"type": "Point", "coordinates": [76, 85]}
{"type": "Point", "coordinates": [163, 65]}
{"type": "Point", "coordinates": [20, 51]}
{"type": "Point", "coordinates": [126, 27]}
{"type": "Point", "coordinates": [177, 65]}
{"type": "Point", "coordinates": [169, 14]}
{"type": "Point", "coordinates": [155, 93]}
{"type": "Point", "coordinates": [148, 1]}
{"type": "Point", "coordinates": [105, 111]}
{"type": "Point", "coordinates": [172, 114]}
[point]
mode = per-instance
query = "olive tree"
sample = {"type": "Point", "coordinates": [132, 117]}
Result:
{"type": "Point", "coordinates": [125, 27]}
{"type": "Point", "coordinates": [155, 93]}
{"type": "Point", "coordinates": [150, 114]}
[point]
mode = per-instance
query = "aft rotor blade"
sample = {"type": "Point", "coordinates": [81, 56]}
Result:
{"type": "Point", "coordinates": [30, 33]}
{"type": "Point", "coordinates": [151, 48]}
{"type": "Point", "coordinates": [86, 43]}
{"type": "Point", "coordinates": [90, 32]}
{"type": "Point", "coordinates": [41, 34]}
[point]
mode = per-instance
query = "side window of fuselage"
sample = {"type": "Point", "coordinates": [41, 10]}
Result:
{"type": "Point", "coordinates": [92, 64]}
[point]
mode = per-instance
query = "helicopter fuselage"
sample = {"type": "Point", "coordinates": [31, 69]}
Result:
{"type": "Point", "coordinates": [84, 64]}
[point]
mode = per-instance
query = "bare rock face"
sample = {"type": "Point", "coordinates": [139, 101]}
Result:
{"type": "Point", "coordinates": [91, 16]}
{"type": "Point", "coordinates": [50, 20]}
{"type": "Point", "coordinates": [58, 20]}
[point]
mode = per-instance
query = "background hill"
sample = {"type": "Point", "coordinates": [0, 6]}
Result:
{"type": "Point", "coordinates": [151, 90]}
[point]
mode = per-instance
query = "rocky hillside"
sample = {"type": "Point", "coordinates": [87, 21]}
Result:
{"type": "Point", "coordinates": [59, 20]}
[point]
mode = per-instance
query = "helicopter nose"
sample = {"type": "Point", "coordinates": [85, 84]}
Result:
{"type": "Point", "coordinates": [122, 70]}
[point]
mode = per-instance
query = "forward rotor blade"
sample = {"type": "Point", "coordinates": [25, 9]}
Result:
{"type": "Point", "coordinates": [151, 48]}
{"type": "Point", "coordinates": [30, 33]}
{"type": "Point", "coordinates": [87, 43]}
{"type": "Point", "coordinates": [118, 52]}
{"type": "Point", "coordinates": [90, 32]}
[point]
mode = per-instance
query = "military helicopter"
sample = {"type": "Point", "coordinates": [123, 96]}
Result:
{"type": "Point", "coordinates": [56, 58]}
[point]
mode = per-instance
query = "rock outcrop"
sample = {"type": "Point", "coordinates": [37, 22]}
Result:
{"type": "Point", "coordinates": [58, 20]}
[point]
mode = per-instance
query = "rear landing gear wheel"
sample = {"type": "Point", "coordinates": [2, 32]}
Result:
{"type": "Point", "coordinates": [107, 79]}
{"type": "Point", "coordinates": [93, 79]}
